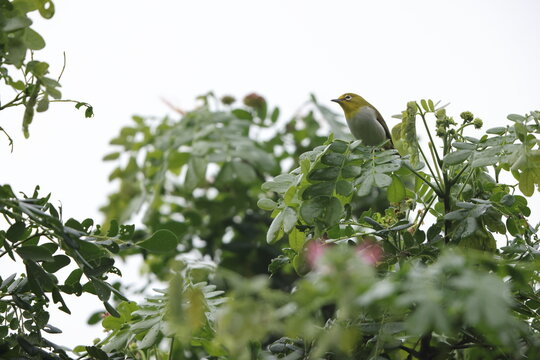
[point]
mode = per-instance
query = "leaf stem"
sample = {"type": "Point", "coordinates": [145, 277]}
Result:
{"type": "Point", "coordinates": [437, 190]}
{"type": "Point", "coordinates": [171, 347]}
{"type": "Point", "coordinates": [437, 181]}
{"type": "Point", "coordinates": [423, 116]}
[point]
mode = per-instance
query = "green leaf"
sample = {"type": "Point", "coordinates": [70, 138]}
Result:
{"type": "Point", "coordinates": [16, 23]}
{"type": "Point", "coordinates": [38, 278]}
{"type": "Point", "coordinates": [43, 104]}
{"type": "Point", "coordinates": [33, 252]}
{"type": "Point", "coordinates": [16, 232]}
{"type": "Point", "coordinates": [33, 40]}
{"type": "Point", "coordinates": [111, 156]}
{"type": "Point", "coordinates": [338, 146]}
{"type": "Point", "coordinates": [46, 9]}
{"type": "Point", "coordinates": [59, 261]}
{"type": "Point", "coordinates": [521, 131]}
{"type": "Point", "coordinates": [162, 241]}
{"type": "Point", "coordinates": [266, 204]}
{"type": "Point", "coordinates": [279, 184]}
{"type": "Point", "coordinates": [324, 209]}
{"type": "Point", "coordinates": [242, 114]}
{"type": "Point", "coordinates": [324, 174]}
{"type": "Point", "coordinates": [274, 231]}
{"type": "Point", "coordinates": [382, 180]}
{"type": "Point", "coordinates": [297, 239]}
{"type": "Point", "coordinates": [151, 336]}
{"type": "Point", "coordinates": [526, 182]}
{"type": "Point", "coordinates": [323, 188]}
{"type": "Point", "coordinates": [313, 208]}
{"type": "Point", "coordinates": [196, 172]}
{"type": "Point", "coordinates": [457, 157]}
{"type": "Point", "coordinates": [333, 159]}
{"type": "Point", "coordinates": [351, 171]}
{"type": "Point", "coordinates": [366, 185]}
{"type": "Point", "coordinates": [244, 172]}
{"type": "Point", "coordinates": [424, 105]}
{"type": "Point", "coordinates": [496, 130]}
{"type": "Point", "coordinates": [177, 159]}
{"type": "Point", "coordinates": [275, 115]}
{"type": "Point", "coordinates": [344, 188]}
{"type": "Point", "coordinates": [396, 191]}
{"type": "Point", "coordinates": [111, 309]}
{"type": "Point", "coordinates": [516, 118]}
{"type": "Point", "coordinates": [289, 219]}
{"type": "Point", "coordinates": [96, 353]}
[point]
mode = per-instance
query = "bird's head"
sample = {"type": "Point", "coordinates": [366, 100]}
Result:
{"type": "Point", "coordinates": [350, 103]}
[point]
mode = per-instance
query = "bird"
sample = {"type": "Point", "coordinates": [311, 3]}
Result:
{"type": "Point", "coordinates": [365, 121]}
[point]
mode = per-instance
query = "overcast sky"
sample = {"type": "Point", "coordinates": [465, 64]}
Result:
{"type": "Point", "coordinates": [123, 57]}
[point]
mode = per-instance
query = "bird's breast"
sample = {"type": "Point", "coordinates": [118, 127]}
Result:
{"type": "Point", "coordinates": [364, 126]}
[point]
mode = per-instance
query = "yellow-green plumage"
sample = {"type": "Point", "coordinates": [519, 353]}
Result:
{"type": "Point", "coordinates": [365, 121]}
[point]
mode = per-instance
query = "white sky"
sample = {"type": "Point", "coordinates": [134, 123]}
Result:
{"type": "Point", "coordinates": [124, 56]}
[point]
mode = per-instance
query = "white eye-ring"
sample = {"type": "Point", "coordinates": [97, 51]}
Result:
{"type": "Point", "coordinates": [348, 97]}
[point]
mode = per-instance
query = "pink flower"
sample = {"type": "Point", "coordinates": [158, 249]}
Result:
{"type": "Point", "coordinates": [370, 252]}
{"type": "Point", "coordinates": [315, 251]}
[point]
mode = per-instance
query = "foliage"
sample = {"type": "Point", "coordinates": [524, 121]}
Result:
{"type": "Point", "coordinates": [418, 252]}
{"type": "Point", "coordinates": [33, 88]}
{"type": "Point", "coordinates": [371, 235]}
{"type": "Point", "coordinates": [200, 177]}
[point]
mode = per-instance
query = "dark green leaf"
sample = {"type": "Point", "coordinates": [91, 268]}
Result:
{"type": "Point", "coordinates": [351, 171]}
{"type": "Point", "coordinates": [344, 188]}
{"type": "Point", "coordinates": [324, 174]}
{"type": "Point", "coordinates": [338, 146]}
{"type": "Point", "coordinates": [16, 232]}
{"type": "Point", "coordinates": [111, 309]}
{"type": "Point", "coordinates": [36, 253]}
{"type": "Point", "coordinates": [333, 159]}
{"type": "Point", "coordinates": [96, 353]}
{"type": "Point", "coordinates": [59, 261]}
{"type": "Point", "coordinates": [323, 188]}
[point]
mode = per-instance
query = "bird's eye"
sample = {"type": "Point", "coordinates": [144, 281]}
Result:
{"type": "Point", "coordinates": [348, 97]}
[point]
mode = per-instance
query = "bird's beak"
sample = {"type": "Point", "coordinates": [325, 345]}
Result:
{"type": "Point", "coordinates": [336, 100]}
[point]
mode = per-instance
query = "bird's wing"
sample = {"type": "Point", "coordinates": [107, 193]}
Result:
{"type": "Point", "coordinates": [386, 130]}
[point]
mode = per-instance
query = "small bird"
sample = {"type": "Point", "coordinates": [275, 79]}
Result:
{"type": "Point", "coordinates": [365, 121]}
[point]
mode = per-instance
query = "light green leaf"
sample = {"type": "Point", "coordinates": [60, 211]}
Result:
{"type": "Point", "coordinates": [151, 336]}
{"type": "Point", "coordinates": [274, 230]}
{"type": "Point", "coordinates": [244, 172]}
{"type": "Point", "coordinates": [289, 219]}
{"type": "Point", "coordinates": [296, 240]}
{"type": "Point", "coordinates": [33, 40]}
{"type": "Point", "coordinates": [266, 204]}
{"type": "Point", "coordinates": [526, 182]}
{"type": "Point", "coordinates": [516, 118]}
{"type": "Point", "coordinates": [366, 185]}
{"type": "Point", "coordinates": [162, 241]}
{"type": "Point", "coordinates": [457, 157]}
{"type": "Point", "coordinates": [396, 191]}
{"type": "Point", "coordinates": [382, 180]}
{"type": "Point", "coordinates": [196, 172]}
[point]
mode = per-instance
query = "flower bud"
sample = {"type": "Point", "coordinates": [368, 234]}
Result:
{"type": "Point", "coordinates": [478, 123]}
{"type": "Point", "coordinates": [467, 116]}
{"type": "Point", "coordinates": [228, 100]}
{"type": "Point", "coordinates": [254, 101]}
